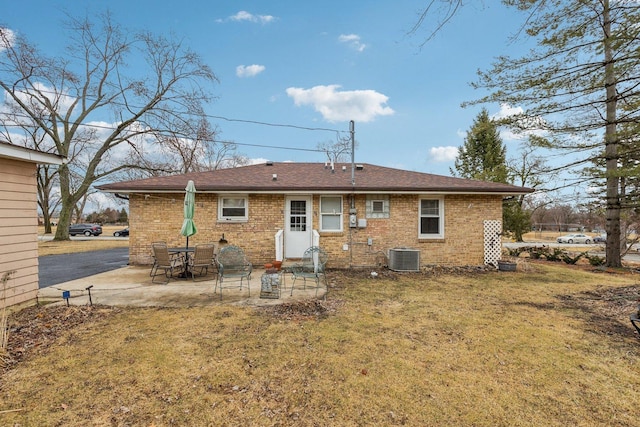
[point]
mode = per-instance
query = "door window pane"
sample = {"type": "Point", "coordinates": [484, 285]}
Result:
{"type": "Point", "coordinates": [298, 215]}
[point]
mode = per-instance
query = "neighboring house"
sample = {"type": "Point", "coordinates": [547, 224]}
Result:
{"type": "Point", "coordinates": [274, 211]}
{"type": "Point", "coordinates": [19, 224]}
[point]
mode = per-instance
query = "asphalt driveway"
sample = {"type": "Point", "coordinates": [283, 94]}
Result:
{"type": "Point", "coordinates": [55, 269]}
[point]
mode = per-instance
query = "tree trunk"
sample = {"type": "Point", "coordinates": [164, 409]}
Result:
{"type": "Point", "coordinates": [62, 232]}
{"type": "Point", "coordinates": [612, 224]}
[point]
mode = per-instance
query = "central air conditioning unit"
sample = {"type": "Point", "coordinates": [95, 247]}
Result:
{"type": "Point", "coordinates": [404, 259]}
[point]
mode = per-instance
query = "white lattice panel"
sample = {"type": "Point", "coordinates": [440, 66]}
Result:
{"type": "Point", "coordinates": [492, 242]}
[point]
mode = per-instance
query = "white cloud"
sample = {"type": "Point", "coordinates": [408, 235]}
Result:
{"type": "Point", "coordinates": [443, 154]}
{"type": "Point", "coordinates": [353, 40]}
{"type": "Point", "coordinates": [507, 110]}
{"type": "Point", "coordinates": [525, 126]}
{"type": "Point", "coordinates": [338, 106]}
{"type": "Point", "coordinates": [249, 70]}
{"type": "Point", "coordinates": [7, 37]}
{"type": "Point", "coordinates": [62, 100]}
{"type": "Point", "coordinates": [243, 15]}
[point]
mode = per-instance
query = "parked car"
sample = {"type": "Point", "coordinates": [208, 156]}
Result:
{"type": "Point", "coordinates": [574, 238]}
{"type": "Point", "coordinates": [86, 229]}
{"type": "Point", "coordinates": [600, 238]}
{"type": "Point", "coordinates": [121, 233]}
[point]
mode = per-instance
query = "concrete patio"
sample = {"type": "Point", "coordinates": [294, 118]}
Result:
{"type": "Point", "coordinates": [132, 286]}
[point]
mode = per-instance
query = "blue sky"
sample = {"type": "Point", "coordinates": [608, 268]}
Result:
{"type": "Point", "coordinates": [319, 65]}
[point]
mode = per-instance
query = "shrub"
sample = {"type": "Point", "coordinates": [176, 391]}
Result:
{"type": "Point", "coordinates": [595, 260]}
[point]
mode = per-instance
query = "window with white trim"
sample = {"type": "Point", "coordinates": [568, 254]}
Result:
{"type": "Point", "coordinates": [431, 221]}
{"type": "Point", "coordinates": [233, 208]}
{"type": "Point", "coordinates": [331, 213]}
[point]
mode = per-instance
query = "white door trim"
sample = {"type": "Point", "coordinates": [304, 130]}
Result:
{"type": "Point", "coordinates": [298, 225]}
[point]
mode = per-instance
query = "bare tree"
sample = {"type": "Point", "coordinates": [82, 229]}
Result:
{"type": "Point", "coordinates": [337, 151]}
{"type": "Point", "coordinates": [200, 153]}
{"type": "Point", "coordinates": [441, 10]}
{"type": "Point", "coordinates": [92, 83]}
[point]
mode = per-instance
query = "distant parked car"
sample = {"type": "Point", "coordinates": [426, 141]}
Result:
{"type": "Point", "coordinates": [86, 229]}
{"type": "Point", "coordinates": [121, 233]}
{"type": "Point", "coordinates": [600, 238]}
{"type": "Point", "coordinates": [574, 238]}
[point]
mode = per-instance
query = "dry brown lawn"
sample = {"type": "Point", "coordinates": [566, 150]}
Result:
{"type": "Point", "coordinates": [86, 244]}
{"type": "Point", "coordinates": [550, 346]}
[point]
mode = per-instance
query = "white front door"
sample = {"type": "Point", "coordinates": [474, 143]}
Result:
{"type": "Point", "coordinates": [298, 227]}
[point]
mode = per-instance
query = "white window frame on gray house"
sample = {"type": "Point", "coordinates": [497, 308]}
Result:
{"type": "Point", "coordinates": [331, 214]}
{"type": "Point", "coordinates": [377, 206]}
{"type": "Point", "coordinates": [429, 212]}
{"type": "Point", "coordinates": [227, 211]}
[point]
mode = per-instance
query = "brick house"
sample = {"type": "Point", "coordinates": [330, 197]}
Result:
{"type": "Point", "coordinates": [19, 225]}
{"type": "Point", "coordinates": [357, 214]}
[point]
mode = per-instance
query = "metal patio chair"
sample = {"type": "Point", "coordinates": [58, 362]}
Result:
{"type": "Point", "coordinates": [165, 262]}
{"type": "Point", "coordinates": [232, 264]}
{"type": "Point", "coordinates": [203, 259]}
{"type": "Point", "coordinates": [312, 267]}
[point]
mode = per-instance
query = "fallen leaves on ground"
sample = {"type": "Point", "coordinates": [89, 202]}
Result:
{"type": "Point", "coordinates": [33, 330]}
{"type": "Point", "coordinates": [300, 310]}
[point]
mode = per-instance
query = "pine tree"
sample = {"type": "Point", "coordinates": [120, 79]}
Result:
{"type": "Point", "coordinates": [483, 155]}
{"type": "Point", "coordinates": [580, 85]}
{"type": "Point", "coordinates": [123, 217]}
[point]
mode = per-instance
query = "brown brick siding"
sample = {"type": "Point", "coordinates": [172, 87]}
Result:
{"type": "Point", "coordinates": [160, 217]}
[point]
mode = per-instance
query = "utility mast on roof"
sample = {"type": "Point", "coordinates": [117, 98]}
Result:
{"type": "Point", "coordinates": [352, 129]}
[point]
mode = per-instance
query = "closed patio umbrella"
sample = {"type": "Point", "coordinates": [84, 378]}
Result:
{"type": "Point", "coordinates": [188, 226]}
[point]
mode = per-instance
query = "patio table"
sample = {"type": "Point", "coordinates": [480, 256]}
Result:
{"type": "Point", "coordinates": [184, 254]}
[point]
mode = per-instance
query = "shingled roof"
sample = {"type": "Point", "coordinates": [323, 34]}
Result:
{"type": "Point", "coordinates": [272, 177]}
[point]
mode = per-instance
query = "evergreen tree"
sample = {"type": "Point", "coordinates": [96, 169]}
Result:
{"type": "Point", "coordinates": [123, 217]}
{"type": "Point", "coordinates": [483, 155]}
{"type": "Point", "coordinates": [580, 84]}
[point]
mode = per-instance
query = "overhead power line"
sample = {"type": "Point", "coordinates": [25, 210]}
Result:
{"type": "Point", "coordinates": [255, 122]}
{"type": "Point", "coordinates": [228, 119]}
{"type": "Point", "coordinates": [97, 126]}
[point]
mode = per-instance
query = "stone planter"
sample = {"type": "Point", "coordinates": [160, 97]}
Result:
{"type": "Point", "coordinates": [507, 266]}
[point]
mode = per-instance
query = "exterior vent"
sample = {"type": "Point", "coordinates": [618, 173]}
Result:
{"type": "Point", "coordinates": [404, 259]}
